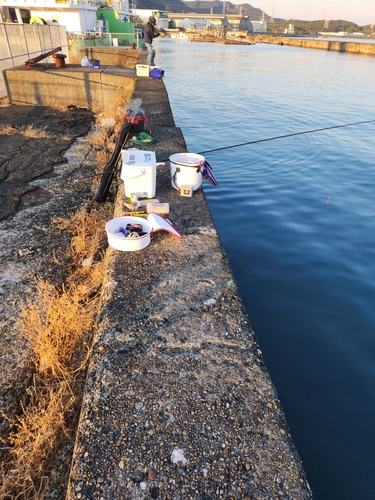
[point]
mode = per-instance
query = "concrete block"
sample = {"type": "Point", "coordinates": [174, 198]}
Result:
{"type": "Point", "coordinates": [124, 57]}
{"type": "Point", "coordinates": [45, 85]}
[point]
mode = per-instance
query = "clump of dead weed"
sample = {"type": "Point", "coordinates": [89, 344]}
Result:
{"type": "Point", "coordinates": [33, 441]}
{"type": "Point", "coordinates": [27, 131]}
{"type": "Point", "coordinates": [58, 323]}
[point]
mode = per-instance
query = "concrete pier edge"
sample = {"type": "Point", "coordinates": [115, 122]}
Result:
{"type": "Point", "coordinates": [178, 402]}
{"type": "Point", "coordinates": [366, 49]}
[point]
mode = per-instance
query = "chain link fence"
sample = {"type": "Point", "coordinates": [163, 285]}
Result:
{"type": "Point", "coordinates": [20, 42]}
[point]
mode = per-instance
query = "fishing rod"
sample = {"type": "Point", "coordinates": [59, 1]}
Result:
{"type": "Point", "coordinates": [294, 134]}
{"type": "Point", "coordinates": [286, 135]}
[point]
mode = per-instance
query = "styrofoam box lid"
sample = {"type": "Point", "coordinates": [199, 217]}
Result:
{"type": "Point", "coordinates": [138, 157]}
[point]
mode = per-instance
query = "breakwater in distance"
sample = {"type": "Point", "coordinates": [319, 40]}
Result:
{"type": "Point", "coordinates": [367, 49]}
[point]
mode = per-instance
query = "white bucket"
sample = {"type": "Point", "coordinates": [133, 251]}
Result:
{"type": "Point", "coordinates": [128, 244]}
{"type": "Point", "coordinates": [185, 170]}
{"type": "Point", "coordinates": [153, 223]}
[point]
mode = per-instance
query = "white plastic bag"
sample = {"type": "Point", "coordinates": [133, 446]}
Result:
{"type": "Point", "coordinates": [85, 62]}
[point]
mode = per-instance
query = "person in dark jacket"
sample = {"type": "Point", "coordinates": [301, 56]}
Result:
{"type": "Point", "coordinates": [149, 35]}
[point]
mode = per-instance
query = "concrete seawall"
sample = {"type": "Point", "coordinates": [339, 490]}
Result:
{"type": "Point", "coordinates": [178, 402]}
{"type": "Point", "coordinates": [100, 89]}
{"type": "Point", "coordinates": [367, 49]}
{"type": "Point", "coordinates": [44, 85]}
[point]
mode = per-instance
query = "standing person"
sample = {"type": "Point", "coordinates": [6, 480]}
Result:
{"type": "Point", "coordinates": [149, 35]}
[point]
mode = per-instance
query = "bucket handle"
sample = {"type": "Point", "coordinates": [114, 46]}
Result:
{"type": "Point", "coordinates": [175, 178]}
{"type": "Point", "coordinates": [129, 177]}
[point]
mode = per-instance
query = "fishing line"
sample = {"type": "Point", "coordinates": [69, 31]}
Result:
{"type": "Point", "coordinates": [269, 139]}
{"type": "Point", "coordinates": [310, 393]}
{"type": "Point", "coordinates": [286, 135]}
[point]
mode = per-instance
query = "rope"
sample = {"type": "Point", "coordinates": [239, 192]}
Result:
{"type": "Point", "coordinates": [286, 135]}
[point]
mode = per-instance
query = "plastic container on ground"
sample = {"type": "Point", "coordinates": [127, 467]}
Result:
{"type": "Point", "coordinates": [139, 122]}
{"type": "Point", "coordinates": [94, 63]}
{"type": "Point", "coordinates": [139, 172]}
{"type": "Point", "coordinates": [142, 69]}
{"type": "Point", "coordinates": [185, 170]}
{"type": "Point", "coordinates": [153, 223]}
{"type": "Point", "coordinates": [118, 242]}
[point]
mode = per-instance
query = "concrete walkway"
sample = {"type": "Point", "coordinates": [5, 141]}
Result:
{"type": "Point", "coordinates": [178, 401]}
{"type": "Point", "coordinates": [359, 48]}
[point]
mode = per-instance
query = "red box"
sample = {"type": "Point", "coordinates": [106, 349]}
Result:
{"type": "Point", "coordinates": [139, 123]}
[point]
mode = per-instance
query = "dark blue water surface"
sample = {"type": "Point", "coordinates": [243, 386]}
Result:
{"type": "Point", "coordinates": [297, 218]}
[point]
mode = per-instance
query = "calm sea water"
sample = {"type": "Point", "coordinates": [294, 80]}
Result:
{"type": "Point", "coordinates": [297, 219]}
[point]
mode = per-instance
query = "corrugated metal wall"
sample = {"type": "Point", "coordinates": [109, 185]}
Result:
{"type": "Point", "coordinates": [20, 42]}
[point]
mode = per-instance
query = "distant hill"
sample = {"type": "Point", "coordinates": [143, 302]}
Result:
{"type": "Point", "coordinates": [306, 27]}
{"type": "Point", "coordinates": [203, 7]}
{"type": "Point", "coordinates": [255, 14]}
{"type": "Point", "coordinates": [168, 5]}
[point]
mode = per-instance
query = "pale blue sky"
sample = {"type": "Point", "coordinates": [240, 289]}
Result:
{"type": "Point", "coordinates": [361, 12]}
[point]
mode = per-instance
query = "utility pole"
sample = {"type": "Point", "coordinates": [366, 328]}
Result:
{"type": "Point", "coordinates": [273, 13]}
{"type": "Point", "coordinates": [224, 8]}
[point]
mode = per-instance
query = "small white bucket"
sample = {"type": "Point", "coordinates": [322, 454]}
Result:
{"type": "Point", "coordinates": [154, 223]}
{"type": "Point", "coordinates": [185, 170]}
{"type": "Point", "coordinates": [127, 244]}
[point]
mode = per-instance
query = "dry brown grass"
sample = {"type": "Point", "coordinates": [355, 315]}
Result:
{"type": "Point", "coordinates": [34, 439]}
{"type": "Point", "coordinates": [27, 131]}
{"type": "Point", "coordinates": [103, 158]}
{"type": "Point", "coordinates": [4, 101]}
{"type": "Point", "coordinates": [97, 136]}
{"type": "Point", "coordinates": [8, 130]}
{"type": "Point", "coordinates": [103, 138]}
{"type": "Point", "coordinates": [103, 141]}
{"type": "Point", "coordinates": [58, 324]}
{"type": "Point", "coordinates": [86, 226]}
{"type": "Point", "coordinates": [119, 106]}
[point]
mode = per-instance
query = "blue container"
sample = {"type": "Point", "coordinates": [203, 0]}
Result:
{"type": "Point", "coordinates": [94, 63]}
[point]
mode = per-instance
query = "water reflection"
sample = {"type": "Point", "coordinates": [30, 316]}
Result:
{"type": "Point", "coordinates": [297, 220]}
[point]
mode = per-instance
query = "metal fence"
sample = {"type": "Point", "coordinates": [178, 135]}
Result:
{"type": "Point", "coordinates": [80, 40]}
{"type": "Point", "coordinates": [93, 39]}
{"type": "Point", "coordinates": [20, 42]}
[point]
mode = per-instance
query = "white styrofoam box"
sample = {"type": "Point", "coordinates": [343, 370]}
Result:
{"type": "Point", "coordinates": [139, 172]}
{"type": "Point", "coordinates": [142, 69]}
